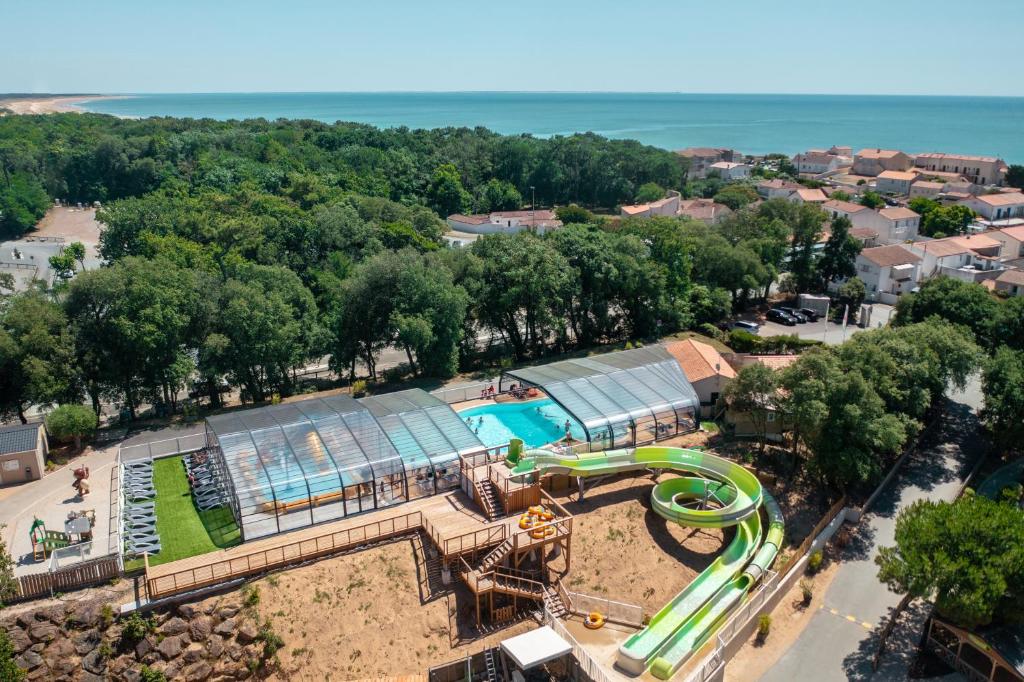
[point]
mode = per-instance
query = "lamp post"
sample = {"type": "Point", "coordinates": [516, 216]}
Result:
{"type": "Point", "coordinates": [533, 209]}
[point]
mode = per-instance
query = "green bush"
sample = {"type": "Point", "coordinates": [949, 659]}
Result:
{"type": "Point", "coordinates": [135, 628]}
{"type": "Point", "coordinates": [9, 670]}
{"type": "Point", "coordinates": [147, 674]}
{"type": "Point", "coordinates": [711, 331]}
{"type": "Point", "coordinates": [806, 591]}
{"type": "Point", "coordinates": [814, 562]}
{"type": "Point", "coordinates": [764, 627]}
{"type": "Point", "coordinates": [71, 422]}
{"type": "Point", "coordinates": [358, 388]}
{"type": "Point", "coordinates": [744, 342]}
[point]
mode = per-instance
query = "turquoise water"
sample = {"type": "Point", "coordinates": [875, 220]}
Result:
{"type": "Point", "coordinates": [537, 422]}
{"type": "Point", "coordinates": [754, 124]}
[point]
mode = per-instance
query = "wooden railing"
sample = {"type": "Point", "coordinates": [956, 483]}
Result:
{"type": "Point", "coordinates": [218, 571]}
{"type": "Point", "coordinates": [73, 577]}
{"type": "Point", "coordinates": [472, 541]}
{"type": "Point", "coordinates": [805, 546]}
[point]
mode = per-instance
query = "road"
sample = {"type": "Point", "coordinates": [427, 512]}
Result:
{"type": "Point", "coordinates": [829, 332]}
{"type": "Point", "coordinates": [840, 640]}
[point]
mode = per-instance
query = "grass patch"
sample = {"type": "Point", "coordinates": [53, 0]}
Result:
{"type": "Point", "coordinates": [710, 427]}
{"type": "Point", "coordinates": [184, 530]}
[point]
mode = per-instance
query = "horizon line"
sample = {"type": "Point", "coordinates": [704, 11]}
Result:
{"type": "Point", "coordinates": [500, 92]}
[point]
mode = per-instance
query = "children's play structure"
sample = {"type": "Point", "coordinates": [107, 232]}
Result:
{"type": "Point", "coordinates": [45, 541]}
{"type": "Point", "coordinates": [713, 493]}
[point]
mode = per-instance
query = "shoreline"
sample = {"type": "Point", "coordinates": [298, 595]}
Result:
{"type": "Point", "coordinates": [50, 104]}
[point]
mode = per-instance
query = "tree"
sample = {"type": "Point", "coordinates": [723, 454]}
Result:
{"type": "Point", "coordinates": [840, 252]}
{"type": "Point", "coordinates": [63, 266]}
{"type": "Point", "coordinates": [736, 196]}
{"type": "Point", "coordinates": [23, 201]}
{"type": "Point", "coordinates": [498, 195]}
{"type": "Point", "coordinates": [72, 421]}
{"type": "Point", "coordinates": [446, 194]}
{"type": "Point", "coordinates": [753, 392]}
{"type": "Point", "coordinates": [945, 221]}
{"type": "Point", "coordinates": [849, 298]}
{"type": "Point", "coordinates": [1015, 175]}
{"type": "Point", "coordinates": [839, 195]}
{"type": "Point", "coordinates": [76, 250]}
{"type": "Point", "coordinates": [574, 214]}
{"type": "Point", "coordinates": [648, 192]}
{"type": "Point", "coordinates": [963, 303]}
{"type": "Point", "coordinates": [1003, 383]}
{"type": "Point", "coordinates": [1007, 326]}
{"type": "Point", "coordinates": [9, 670]}
{"type": "Point", "coordinates": [807, 227]}
{"type": "Point", "coordinates": [968, 556]}
{"type": "Point", "coordinates": [871, 199]}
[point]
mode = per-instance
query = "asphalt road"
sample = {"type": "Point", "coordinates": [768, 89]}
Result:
{"type": "Point", "coordinates": [840, 640]}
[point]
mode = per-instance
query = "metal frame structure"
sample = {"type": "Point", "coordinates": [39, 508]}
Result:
{"type": "Point", "coordinates": [621, 399]}
{"type": "Point", "coordinates": [297, 464]}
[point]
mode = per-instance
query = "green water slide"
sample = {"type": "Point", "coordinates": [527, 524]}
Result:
{"type": "Point", "coordinates": [721, 495]}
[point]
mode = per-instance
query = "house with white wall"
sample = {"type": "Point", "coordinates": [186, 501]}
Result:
{"type": "Point", "coordinates": [730, 170]}
{"type": "Point", "coordinates": [1012, 239]}
{"type": "Point", "coordinates": [970, 258]}
{"type": "Point", "coordinates": [980, 170]}
{"type": "Point", "coordinates": [807, 195]}
{"type": "Point", "coordinates": [777, 188]}
{"type": "Point", "coordinates": [926, 188]}
{"type": "Point", "coordinates": [819, 161]}
{"type": "Point", "coordinates": [888, 272]}
{"type": "Point", "coordinates": [998, 206]}
{"type": "Point", "coordinates": [465, 229]}
{"type": "Point", "coordinates": [895, 182]}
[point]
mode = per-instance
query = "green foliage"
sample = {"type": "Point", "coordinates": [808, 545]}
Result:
{"type": "Point", "coordinates": [272, 642]}
{"type": "Point", "coordinates": [134, 628]}
{"type": "Point", "coordinates": [871, 200]}
{"type": "Point", "coordinates": [648, 192]}
{"type": "Point", "coordinates": [962, 303]}
{"type": "Point", "coordinates": [808, 225]}
{"type": "Point", "coordinates": [498, 195]}
{"type": "Point", "coordinates": [764, 627]}
{"type": "Point", "coordinates": [753, 393]}
{"type": "Point", "coordinates": [743, 341]}
{"type": "Point", "coordinates": [9, 670]}
{"type": "Point", "coordinates": [840, 252]}
{"type": "Point", "coordinates": [250, 596]}
{"type": "Point", "coordinates": [945, 221]}
{"type": "Point", "coordinates": [814, 562]}
{"type": "Point", "coordinates": [446, 195]}
{"type": "Point", "coordinates": [23, 201]}
{"type": "Point", "coordinates": [736, 196]}
{"type": "Point", "coordinates": [968, 556]}
{"type": "Point", "coordinates": [839, 195]}
{"type": "Point", "coordinates": [574, 214]}
{"type": "Point", "coordinates": [72, 421]}
{"type": "Point", "coordinates": [147, 674]}
{"type": "Point", "coordinates": [8, 583]}
{"type": "Point", "coordinates": [806, 591]}
{"type": "Point", "coordinates": [1015, 175]}
{"type": "Point", "coordinates": [849, 296]}
{"type": "Point", "coordinates": [1003, 386]}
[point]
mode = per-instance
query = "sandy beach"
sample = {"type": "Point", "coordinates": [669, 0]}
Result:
{"type": "Point", "coordinates": [47, 104]}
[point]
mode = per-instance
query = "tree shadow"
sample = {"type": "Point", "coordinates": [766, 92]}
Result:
{"type": "Point", "coordinates": [901, 647]}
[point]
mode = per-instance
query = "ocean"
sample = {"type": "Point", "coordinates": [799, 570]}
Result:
{"type": "Point", "coordinates": [753, 124]}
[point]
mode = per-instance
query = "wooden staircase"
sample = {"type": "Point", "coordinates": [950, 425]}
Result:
{"type": "Point", "coordinates": [496, 556]}
{"type": "Point", "coordinates": [487, 497]}
{"type": "Point", "coordinates": [553, 602]}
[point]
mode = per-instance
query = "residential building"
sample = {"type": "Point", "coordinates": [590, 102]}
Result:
{"type": "Point", "coordinates": [997, 206]}
{"type": "Point", "coordinates": [806, 195]}
{"type": "Point", "coordinates": [819, 161]}
{"type": "Point", "coordinates": [777, 188]}
{"type": "Point", "coordinates": [669, 206]}
{"type": "Point", "coordinates": [730, 170]}
{"type": "Point", "coordinates": [888, 272]}
{"type": "Point", "coordinates": [1010, 282]}
{"type": "Point", "coordinates": [895, 182]}
{"type": "Point", "coordinates": [897, 224]}
{"type": "Point", "coordinates": [465, 229]}
{"type": "Point", "coordinates": [926, 188]}
{"type": "Point", "coordinates": [23, 449]}
{"type": "Point", "coordinates": [970, 258]}
{"type": "Point", "coordinates": [837, 208]}
{"type": "Point", "coordinates": [872, 162]}
{"type": "Point", "coordinates": [1012, 239]}
{"type": "Point", "coordinates": [703, 209]}
{"type": "Point", "coordinates": [981, 170]}
{"type": "Point", "coordinates": [705, 369]}
{"type": "Point", "coordinates": [701, 158]}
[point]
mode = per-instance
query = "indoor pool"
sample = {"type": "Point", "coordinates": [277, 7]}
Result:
{"type": "Point", "coordinates": [536, 422]}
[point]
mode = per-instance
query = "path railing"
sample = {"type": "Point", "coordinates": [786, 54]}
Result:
{"type": "Point", "coordinates": [163, 448]}
{"type": "Point", "coordinates": [614, 611]}
{"type": "Point", "coordinates": [594, 670]}
{"type": "Point", "coordinates": [461, 393]}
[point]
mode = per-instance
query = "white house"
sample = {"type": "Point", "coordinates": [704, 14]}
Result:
{"type": "Point", "coordinates": [981, 170]}
{"type": "Point", "coordinates": [1012, 239]}
{"type": "Point", "coordinates": [777, 188]}
{"type": "Point", "coordinates": [806, 195]}
{"type": "Point", "coordinates": [895, 182]}
{"type": "Point", "coordinates": [970, 258]}
{"type": "Point", "coordinates": [730, 170]}
{"type": "Point", "coordinates": [701, 158]}
{"type": "Point", "coordinates": [1010, 282]}
{"type": "Point", "coordinates": [818, 161]}
{"type": "Point", "coordinates": [465, 229]}
{"type": "Point", "coordinates": [897, 225]}
{"type": "Point", "coordinates": [997, 206]}
{"type": "Point", "coordinates": [926, 188]}
{"type": "Point", "coordinates": [888, 272]}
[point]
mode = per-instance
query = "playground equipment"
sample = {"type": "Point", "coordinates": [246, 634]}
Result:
{"type": "Point", "coordinates": [722, 494]}
{"type": "Point", "coordinates": [81, 483]}
{"type": "Point", "coordinates": [45, 541]}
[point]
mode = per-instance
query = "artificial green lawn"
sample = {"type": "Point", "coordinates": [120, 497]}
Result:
{"type": "Point", "coordinates": [184, 530]}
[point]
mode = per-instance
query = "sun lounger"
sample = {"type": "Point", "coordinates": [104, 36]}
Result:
{"type": "Point", "coordinates": [151, 546]}
{"type": "Point", "coordinates": [141, 505]}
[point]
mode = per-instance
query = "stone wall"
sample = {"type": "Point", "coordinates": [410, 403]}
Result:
{"type": "Point", "coordinates": [213, 639]}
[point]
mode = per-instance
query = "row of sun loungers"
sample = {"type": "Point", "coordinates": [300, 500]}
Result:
{"type": "Point", "coordinates": [139, 511]}
{"type": "Point", "coordinates": [207, 490]}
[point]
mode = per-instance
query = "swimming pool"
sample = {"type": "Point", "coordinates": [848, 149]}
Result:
{"type": "Point", "coordinates": [537, 422]}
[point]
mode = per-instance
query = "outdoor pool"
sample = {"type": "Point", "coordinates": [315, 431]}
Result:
{"type": "Point", "coordinates": [536, 422]}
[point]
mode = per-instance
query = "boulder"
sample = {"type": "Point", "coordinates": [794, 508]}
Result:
{"type": "Point", "coordinates": [234, 652]}
{"type": "Point", "coordinates": [43, 632]}
{"type": "Point", "coordinates": [193, 652]}
{"type": "Point", "coordinates": [29, 660]}
{"type": "Point", "coordinates": [200, 628]}
{"type": "Point", "coordinates": [144, 647]}
{"type": "Point", "coordinates": [26, 619]}
{"type": "Point", "coordinates": [89, 615]}
{"type": "Point", "coordinates": [225, 628]}
{"type": "Point", "coordinates": [61, 648]}
{"type": "Point", "coordinates": [84, 642]}
{"type": "Point", "coordinates": [169, 647]}
{"type": "Point", "coordinates": [174, 626]}
{"type": "Point", "coordinates": [187, 611]}
{"type": "Point", "coordinates": [131, 675]}
{"type": "Point", "coordinates": [198, 671]}
{"type": "Point", "coordinates": [87, 676]}
{"type": "Point", "coordinates": [215, 646]}
{"type": "Point", "coordinates": [247, 632]}
{"type": "Point", "coordinates": [95, 662]}
{"type": "Point", "coordinates": [172, 670]}
{"type": "Point", "coordinates": [19, 640]}
{"type": "Point", "coordinates": [227, 611]}
{"type": "Point", "coordinates": [54, 614]}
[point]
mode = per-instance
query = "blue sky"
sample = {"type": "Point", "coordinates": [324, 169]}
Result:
{"type": "Point", "coordinates": [777, 46]}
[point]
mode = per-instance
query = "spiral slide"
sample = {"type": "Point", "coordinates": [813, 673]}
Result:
{"type": "Point", "coordinates": [722, 494]}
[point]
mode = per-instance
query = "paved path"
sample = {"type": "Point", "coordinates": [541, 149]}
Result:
{"type": "Point", "coordinates": [839, 642]}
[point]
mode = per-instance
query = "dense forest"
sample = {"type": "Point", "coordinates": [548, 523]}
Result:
{"type": "Point", "coordinates": [245, 250]}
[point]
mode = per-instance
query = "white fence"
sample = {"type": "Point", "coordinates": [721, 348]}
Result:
{"type": "Point", "coordinates": [588, 664]}
{"type": "Point", "coordinates": [460, 393]}
{"type": "Point", "coordinates": [614, 611]}
{"type": "Point", "coordinates": [163, 448]}
{"type": "Point", "coordinates": [75, 554]}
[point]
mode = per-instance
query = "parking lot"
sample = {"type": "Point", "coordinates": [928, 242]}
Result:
{"type": "Point", "coordinates": [828, 332]}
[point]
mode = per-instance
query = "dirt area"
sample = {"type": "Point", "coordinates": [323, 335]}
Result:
{"type": "Point", "coordinates": [74, 224]}
{"type": "Point", "coordinates": [623, 551]}
{"type": "Point", "coordinates": [361, 616]}
{"type": "Point", "coordinates": [789, 618]}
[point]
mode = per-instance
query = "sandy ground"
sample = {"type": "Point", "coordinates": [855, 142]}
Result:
{"type": "Point", "coordinates": [48, 105]}
{"type": "Point", "coordinates": [789, 618]}
{"type": "Point", "coordinates": [74, 224]}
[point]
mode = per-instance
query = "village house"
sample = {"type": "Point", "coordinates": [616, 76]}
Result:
{"type": "Point", "coordinates": [888, 272]}
{"type": "Point", "coordinates": [705, 210]}
{"type": "Point", "coordinates": [997, 206]}
{"type": "Point", "coordinates": [669, 206]}
{"type": "Point", "coordinates": [730, 170]}
{"type": "Point", "coordinates": [806, 195]}
{"type": "Point", "coordinates": [777, 188]}
{"type": "Point", "coordinates": [980, 170]}
{"type": "Point", "coordinates": [705, 369]}
{"type": "Point", "coordinates": [23, 449]}
{"type": "Point", "coordinates": [926, 188]}
{"type": "Point", "coordinates": [1010, 282]}
{"type": "Point", "coordinates": [890, 225]}
{"type": "Point", "coordinates": [895, 182]}
{"type": "Point", "coordinates": [465, 229]}
{"type": "Point", "coordinates": [969, 258]}
{"type": "Point", "coordinates": [819, 161]}
{"type": "Point", "coordinates": [701, 158]}
{"type": "Point", "coordinates": [1012, 239]}
{"type": "Point", "coordinates": [873, 162]}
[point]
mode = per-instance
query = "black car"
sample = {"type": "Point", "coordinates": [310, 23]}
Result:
{"type": "Point", "coordinates": [811, 315]}
{"type": "Point", "coordinates": [782, 317]}
{"type": "Point", "coordinates": [795, 314]}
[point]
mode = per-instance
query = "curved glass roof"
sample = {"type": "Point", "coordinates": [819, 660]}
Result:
{"type": "Point", "coordinates": [624, 386]}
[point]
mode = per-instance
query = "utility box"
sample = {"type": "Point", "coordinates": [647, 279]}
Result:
{"type": "Point", "coordinates": [818, 304]}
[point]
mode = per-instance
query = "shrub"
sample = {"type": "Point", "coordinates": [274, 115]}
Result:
{"type": "Point", "coordinates": [147, 674]}
{"type": "Point", "coordinates": [764, 627]}
{"type": "Point", "coordinates": [711, 331]}
{"type": "Point", "coordinates": [71, 421]}
{"type": "Point", "coordinates": [806, 591]}
{"type": "Point", "coordinates": [106, 616]}
{"type": "Point", "coordinates": [814, 562]}
{"type": "Point", "coordinates": [250, 596]}
{"type": "Point", "coordinates": [135, 628]}
{"type": "Point", "coordinates": [358, 388]}
{"type": "Point", "coordinates": [9, 670]}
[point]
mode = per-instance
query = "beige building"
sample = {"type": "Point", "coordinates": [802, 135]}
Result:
{"type": "Point", "coordinates": [23, 450]}
{"type": "Point", "coordinates": [806, 195]}
{"type": "Point", "coordinates": [981, 170]}
{"type": "Point", "coordinates": [705, 369]}
{"type": "Point", "coordinates": [465, 229]}
{"type": "Point", "coordinates": [926, 188]}
{"type": "Point", "coordinates": [701, 159]}
{"type": "Point", "coordinates": [730, 170]}
{"type": "Point", "coordinates": [890, 225]}
{"type": "Point", "coordinates": [668, 206]}
{"type": "Point", "coordinates": [999, 206]}
{"type": "Point", "coordinates": [873, 162]}
{"type": "Point", "coordinates": [895, 182]}
{"type": "Point", "coordinates": [818, 161]}
{"type": "Point", "coordinates": [1012, 239]}
{"type": "Point", "coordinates": [777, 188]}
{"type": "Point", "coordinates": [1010, 283]}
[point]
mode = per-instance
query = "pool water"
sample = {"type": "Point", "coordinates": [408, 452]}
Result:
{"type": "Point", "coordinates": [536, 422]}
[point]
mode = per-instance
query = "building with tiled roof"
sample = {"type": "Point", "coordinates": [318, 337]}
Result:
{"type": "Point", "coordinates": [1010, 282]}
{"type": "Point", "coordinates": [872, 162]}
{"type": "Point", "coordinates": [462, 228]}
{"type": "Point", "coordinates": [888, 272]}
{"type": "Point", "coordinates": [705, 369]}
{"type": "Point", "coordinates": [998, 206]}
{"type": "Point", "coordinates": [981, 170]}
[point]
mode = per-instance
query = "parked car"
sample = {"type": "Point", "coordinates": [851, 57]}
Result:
{"type": "Point", "coordinates": [752, 327]}
{"type": "Point", "coordinates": [795, 314]}
{"type": "Point", "coordinates": [811, 315]}
{"type": "Point", "coordinates": [782, 317]}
